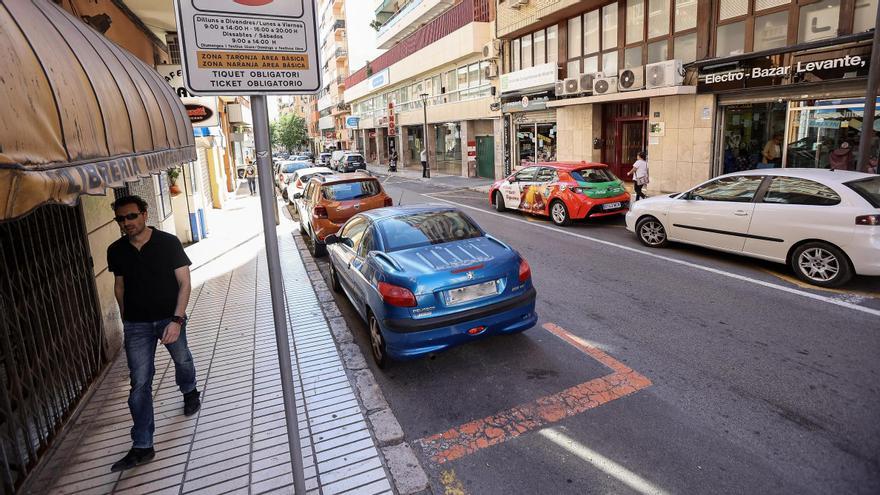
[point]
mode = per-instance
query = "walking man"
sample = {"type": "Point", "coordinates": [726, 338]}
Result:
{"type": "Point", "coordinates": [424, 157]}
{"type": "Point", "coordinates": [152, 288]}
{"type": "Point", "coordinates": [251, 174]}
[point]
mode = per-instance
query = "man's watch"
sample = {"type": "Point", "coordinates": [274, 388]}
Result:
{"type": "Point", "coordinates": [180, 320]}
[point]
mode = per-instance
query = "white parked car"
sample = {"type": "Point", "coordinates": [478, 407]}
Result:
{"type": "Point", "coordinates": [301, 177]}
{"type": "Point", "coordinates": [825, 224]}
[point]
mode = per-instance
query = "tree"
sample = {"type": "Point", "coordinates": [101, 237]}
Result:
{"type": "Point", "coordinates": [289, 132]}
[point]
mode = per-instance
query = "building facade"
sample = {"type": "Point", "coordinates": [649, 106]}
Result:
{"type": "Point", "coordinates": [705, 87]}
{"type": "Point", "coordinates": [331, 105]}
{"type": "Point", "coordinates": [433, 88]}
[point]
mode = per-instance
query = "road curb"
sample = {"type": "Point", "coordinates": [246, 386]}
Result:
{"type": "Point", "coordinates": [407, 473]}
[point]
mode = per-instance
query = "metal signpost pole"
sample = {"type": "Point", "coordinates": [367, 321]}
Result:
{"type": "Point", "coordinates": [276, 284]}
{"type": "Point", "coordinates": [867, 134]}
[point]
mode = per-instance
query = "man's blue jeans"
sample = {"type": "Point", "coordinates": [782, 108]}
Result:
{"type": "Point", "coordinates": [140, 350]}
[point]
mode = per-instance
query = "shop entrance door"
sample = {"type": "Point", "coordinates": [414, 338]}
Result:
{"type": "Point", "coordinates": [486, 157]}
{"type": "Point", "coordinates": [625, 133]}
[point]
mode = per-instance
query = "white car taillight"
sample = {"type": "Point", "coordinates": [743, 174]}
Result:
{"type": "Point", "coordinates": [868, 220]}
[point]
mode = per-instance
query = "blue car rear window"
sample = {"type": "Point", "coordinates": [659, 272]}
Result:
{"type": "Point", "coordinates": [426, 228]}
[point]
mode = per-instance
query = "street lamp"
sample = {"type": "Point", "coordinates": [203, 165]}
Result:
{"type": "Point", "coordinates": [424, 97]}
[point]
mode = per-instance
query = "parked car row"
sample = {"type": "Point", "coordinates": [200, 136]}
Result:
{"type": "Point", "coordinates": [424, 278]}
{"type": "Point", "coordinates": [347, 161]}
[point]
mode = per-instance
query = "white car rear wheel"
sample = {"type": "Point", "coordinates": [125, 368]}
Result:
{"type": "Point", "coordinates": [821, 264]}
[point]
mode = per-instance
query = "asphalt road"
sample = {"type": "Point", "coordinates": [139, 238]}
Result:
{"type": "Point", "coordinates": [752, 383]}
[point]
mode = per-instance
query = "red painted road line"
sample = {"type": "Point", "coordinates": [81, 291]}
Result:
{"type": "Point", "coordinates": [492, 430]}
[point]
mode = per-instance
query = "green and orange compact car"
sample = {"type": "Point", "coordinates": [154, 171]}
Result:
{"type": "Point", "coordinates": [564, 191]}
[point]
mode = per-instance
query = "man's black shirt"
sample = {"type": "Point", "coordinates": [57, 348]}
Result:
{"type": "Point", "coordinates": [150, 285]}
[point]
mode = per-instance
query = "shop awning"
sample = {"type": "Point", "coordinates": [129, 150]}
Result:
{"type": "Point", "coordinates": [79, 114]}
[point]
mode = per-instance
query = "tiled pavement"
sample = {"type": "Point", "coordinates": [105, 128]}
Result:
{"type": "Point", "coordinates": [238, 442]}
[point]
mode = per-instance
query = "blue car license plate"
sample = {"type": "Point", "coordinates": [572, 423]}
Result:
{"type": "Point", "coordinates": [471, 292]}
{"type": "Point", "coordinates": [611, 206]}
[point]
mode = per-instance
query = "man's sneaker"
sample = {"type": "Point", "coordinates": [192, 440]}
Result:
{"type": "Point", "coordinates": [134, 457]}
{"type": "Point", "coordinates": [191, 403]}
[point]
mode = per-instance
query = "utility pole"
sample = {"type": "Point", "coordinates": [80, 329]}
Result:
{"type": "Point", "coordinates": [424, 97]}
{"type": "Point", "coordinates": [870, 100]}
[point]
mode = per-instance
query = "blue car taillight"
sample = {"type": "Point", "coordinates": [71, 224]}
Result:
{"type": "Point", "coordinates": [396, 295]}
{"type": "Point", "coordinates": [525, 271]}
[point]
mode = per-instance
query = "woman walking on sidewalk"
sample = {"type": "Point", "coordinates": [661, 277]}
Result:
{"type": "Point", "coordinates": [639, 173]}
{"type": "Point", "coordinates": [251, 174]}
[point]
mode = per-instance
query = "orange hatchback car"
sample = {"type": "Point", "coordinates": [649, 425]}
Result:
{"type": "Point", "coordinates": [329, 201]}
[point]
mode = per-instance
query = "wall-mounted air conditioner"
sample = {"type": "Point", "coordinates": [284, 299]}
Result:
{"type": "Point", "coordinates": [490, 71]}
{"type": "Point", "coordinates": [663, 74]}
{"type": "Point", "coordinates": [585, 82]}
{"type": "Point", "coordinates": [492, 49]}
{"type": "Point", "coordinates": [604, 85]}
{"type": "Point", "coordinates": [631, 79]}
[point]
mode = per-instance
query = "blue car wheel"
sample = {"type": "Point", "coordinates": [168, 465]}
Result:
{"type": "Point", "coordinates": [377, 342]}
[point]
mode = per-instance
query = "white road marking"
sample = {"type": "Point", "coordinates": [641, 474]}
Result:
{"type": "Point", "coordinates": [743, 278]}
{"type": "Point", "coordinates": [601, 462]}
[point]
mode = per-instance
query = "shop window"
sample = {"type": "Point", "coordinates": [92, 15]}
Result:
{"type": "Point", "coordinates": [737, 189]}
{"type": "Point", "coordinates": [448, 148]}
{"type": "Point", "coordinates": [685, 15]}
{"type": "Point", "coordinates": [752, 136]}
{"type": "Point", "coordinates": [658, 18]}
{"type": "Point", "coordinates": [657, 51]}
{"type": "Point", "coordinates": [796, 191]}
{"type": "Point", "coordinates": [731, 39]}
{"type": "Point", "coordinates": [546, 142]}
{"type": "Point", "coordinates": [825, 135]}
{"type": "Point", "coordinates": [635, 21]}
{"type": "Point", "coordinates": [685, 48]}
{"type": "Point", "coordinates": [609, 26]}
{"type": "Point", "coordinates": [819, 20]}
{"type": "Point", "coordinates": [865, 15]}
{"type": "Point", "coordinates": [525, 137]}
{"type": "Point", "coordinates": [728, 9]}
{"type": "Point", "coordinates": [552, 44]}
{"type": "Point", "coordinates": [536, 143]}
{"type": "Point", "coordinates": [591, 32]}
{"type": "Point", "coordinates": [540, 47]}
{"type": "Point", "coordinates": [632, 57]}
{"type": "Point", "coordinates": [771, 31]}
{"type": "Point", "coordinates": [574, 37]}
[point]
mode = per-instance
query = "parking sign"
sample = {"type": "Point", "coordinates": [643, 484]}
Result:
{"type": "Point", "coordinates": [249, 47]}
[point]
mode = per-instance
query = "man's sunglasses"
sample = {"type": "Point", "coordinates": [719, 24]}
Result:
{"type": "Point", "coordinates": [130, 216]}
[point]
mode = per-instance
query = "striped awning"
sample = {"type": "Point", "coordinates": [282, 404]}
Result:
{"type": "Point", "coordinates": [78, 114]}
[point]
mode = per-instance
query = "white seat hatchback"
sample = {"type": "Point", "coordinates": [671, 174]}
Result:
{"type": "Point", "coordinates": [825, 224]}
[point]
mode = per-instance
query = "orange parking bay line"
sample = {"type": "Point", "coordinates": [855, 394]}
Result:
{"type": "Point", "coordinates": [481, 433]}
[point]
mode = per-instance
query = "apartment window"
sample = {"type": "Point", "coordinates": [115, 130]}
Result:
{"type": "Point", "coordinates": [865, 15]}
{"type": "Point", "coordinates": [526, 47]}
{"type": "Point", "coordinates": [635, 21]}
{"type": "Point", "coordinates": [514, 55]}
{"type": "Point", "coordinates": [657, 51]}
{"type": "Point", "coordinates": [685, 15]}
{"type": "Point", "coordinates": [685, 48]}
{"type": "Point", "coordinates": [462, 78]}
{"type": "Point", "coordinates": [474, 75]}
{"type": "Point", "coordinates": [632, 57]}
{"type": "Point", "coordinates": [553, 44]}
{"type": "Point", "coordinates": [771, 31]}
{"type": "Point", "coordinates": [574, 37]}
{"type": "Point", "coordinates": [540, 47]}
{"type": "Point", "coordinates": [593, 42]}
{"type": "Point", "coordinates": [658, 18]}
{"type": "Point", "coordinates": [451, 82]}
{"type": "Point", "coordinates": [819, 21]}
{"type": "Point", "coordinates": [731, 39]}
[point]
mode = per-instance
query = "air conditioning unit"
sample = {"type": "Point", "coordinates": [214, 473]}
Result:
{"type": "Point", "coordinates": [631, 79]}
{"type": "Point", "coordinates": [515, 4]}
{"type": "Point", "coordinates": [559, 88]}
{"type": "Point", "coordinates": [662, 74]}
{"type": "Point", "coordinates": [490, 71]}
{"type": "Point", "coordinates": [604, 85]}
{"type": "Point", "coordinates": [585, 82]}
{"type": "Point", "coordinates": [492, 49]}
{"type": "Point", "coordinates": [572, 86]}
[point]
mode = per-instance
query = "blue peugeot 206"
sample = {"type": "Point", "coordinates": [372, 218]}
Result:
{"type": "Point", "coordinates": [426, 278]}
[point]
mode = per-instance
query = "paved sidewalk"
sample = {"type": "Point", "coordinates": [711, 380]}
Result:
{"type": "Point", "coordinates": [237, 443]}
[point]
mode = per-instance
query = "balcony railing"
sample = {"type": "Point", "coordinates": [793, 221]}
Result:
{"type": "Point", "coordinates": [457, 17]}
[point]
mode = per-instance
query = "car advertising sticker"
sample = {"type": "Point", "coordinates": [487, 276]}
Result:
{"type": "Point", "coordinates": [249, 47]}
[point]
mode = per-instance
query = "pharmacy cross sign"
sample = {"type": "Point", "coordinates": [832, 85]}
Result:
{"type": "Point", "coordinates": [249, 47]}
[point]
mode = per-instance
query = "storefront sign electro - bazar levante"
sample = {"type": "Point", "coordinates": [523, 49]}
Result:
{"type": "Point", "coordinates": [762, 71]}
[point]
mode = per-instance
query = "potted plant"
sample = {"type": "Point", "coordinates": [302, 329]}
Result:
{"type": "Point", "coordinates": [173, 174]}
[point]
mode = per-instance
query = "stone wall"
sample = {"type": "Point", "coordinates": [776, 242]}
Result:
{"type": "Point", "coordinates": [576, 126]}
{"type": "Point", "coordinates": [682, 156]}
